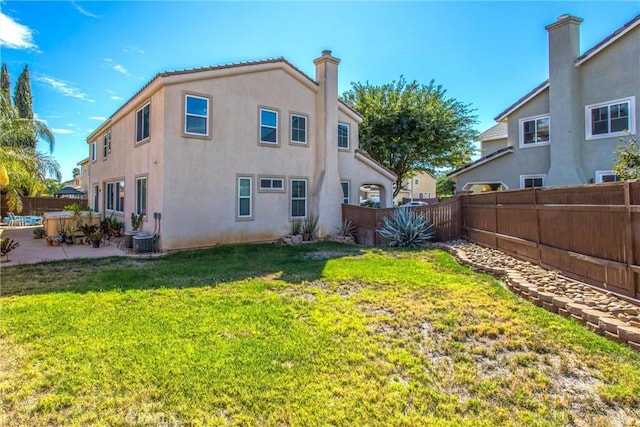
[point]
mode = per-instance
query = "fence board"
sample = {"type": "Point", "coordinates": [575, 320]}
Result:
{"type": "Point", "coordinates": [38, 205]}
{"type": "Point", "coordinates": [590, 232]}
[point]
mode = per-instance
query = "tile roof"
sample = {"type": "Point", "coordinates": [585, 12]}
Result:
{"type": "Point", "coordinates": [609, 39]}
{"type": "Point", "coordinates": [497, 131]}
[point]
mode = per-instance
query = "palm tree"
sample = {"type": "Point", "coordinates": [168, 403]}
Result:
{"type": "Point", "coordinates": [23, 170]}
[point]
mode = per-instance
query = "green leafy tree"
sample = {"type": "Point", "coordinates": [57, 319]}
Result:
{"type": "Point", "coordinates": [412, 127]}
{"type": "Point", "coordinates": [5, 84]}
{"type": "Point", "coordinates": [23, 102]}
{"type": "Point", "coordinates": [76, 172]}
{"type": "Point", "coordinates": [627, 160]}
{"type": "Point", "coordinates": [445, 186]}
{"type": "Point", "coordinates": [23, 170]}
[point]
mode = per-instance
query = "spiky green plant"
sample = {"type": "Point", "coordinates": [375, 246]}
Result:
{"type": "Point", "coordinates": [407, 228]}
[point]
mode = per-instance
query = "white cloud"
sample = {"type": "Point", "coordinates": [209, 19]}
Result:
{"type": "Point", "coordinates": [61, 131]}
{"type": "Point", "coordinates": [132, 49]}
{"type": "Point", "coordinates": [108, 59]}
{"type": "Point", "coordinates": [116, 98]}
{"type": "Point", "coordinates": [82, 10]}
{"type": "Point", "coordinates": [119, 68]}
{"type": "Point", "coordinates": [14, 35]}
{"type": "Point", "coordinates": [63, 87]}
{"type": "Point", "coordinates": [99, 118]}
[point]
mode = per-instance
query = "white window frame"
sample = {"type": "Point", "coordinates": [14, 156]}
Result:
{"type": "Point", "coordinates": [271, 188]}
{"type": "Point", "coordinates": [532, 176]}
{"type": "Point", "coordinates": [109, 199]}
{"type": "Point", "coordinates": [600, 174]}
{"type": "Point", "coordinates": [112, 200]}
{"type": "Point", "coordinates": [106, 144]}
{"type": "Point", "coordinates": [306, 128]}
{"type": "Point", "coordinates": [292, 199]}
{"type": "Point", "coordinates": [94, 154]}
{"type": "Point", "coordinates": [96, 197]}
{"type": "Point", "coordinates": [534, 119]}
{"type": "Point", "coordinates": [240, 197]}
{"type": "Point", "coordinates": [346, 199]}
{"type": "Point", "coordinates": [139, 200]}
{"type": "Point", "coordinates": [346, 125]}
{"type": "Point", "coordinates": [199, 116]}
{"type": "Point", "coordinates": [267, 126]}
{"type": "Point", "coordinates": [140, 123]}
{"type": "Point", "coordinates": [632, 118]}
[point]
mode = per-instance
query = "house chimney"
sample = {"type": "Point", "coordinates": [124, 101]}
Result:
{"type": "Point", "coordinates": [566, 129]}
{"type": "Point", "coordinates": [326, 192]}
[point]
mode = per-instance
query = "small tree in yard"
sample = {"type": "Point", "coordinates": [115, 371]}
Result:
{"type": "Point", "coordinates": [627, 165]}
{"type": "Point", "coordinates": [409, 127]}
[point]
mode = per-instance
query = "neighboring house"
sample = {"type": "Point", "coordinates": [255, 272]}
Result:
{"type": "Point", "coordinates": [493, 139]}
{"type": "Point", "coordinates": [81, 181]}
{"type": "Point", "coordinates": [421, 187]}
{"type": "Point", "coordinates": [565, 131]}
{"type": "Point", "coordinates": [232, 153]}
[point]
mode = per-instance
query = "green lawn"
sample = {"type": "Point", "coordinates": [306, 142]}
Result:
{"type": "Point", "coordinates": [312, 335]}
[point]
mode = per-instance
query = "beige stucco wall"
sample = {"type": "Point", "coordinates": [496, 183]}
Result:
{"type": "Point", "coordinates": [192, 181]}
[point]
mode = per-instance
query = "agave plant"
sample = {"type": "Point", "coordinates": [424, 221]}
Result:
{"type": "Point", "coordinates": [407, 228]}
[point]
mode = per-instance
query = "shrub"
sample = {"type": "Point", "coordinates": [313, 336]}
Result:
{"type": "Point", "coordinates": [296, 227]}
{"type": "Point", "coordinates": [310, 226]}
{"type": "Point", "coordinates": [347, 229]}
{"type": "Point", "coordinates": [407, 228]}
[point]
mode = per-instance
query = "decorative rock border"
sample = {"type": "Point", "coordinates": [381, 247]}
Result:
{"type": "Point", "coordinates": [601, 311]}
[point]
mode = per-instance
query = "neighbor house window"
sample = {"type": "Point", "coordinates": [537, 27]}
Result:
{"type": "Point", "coordinates": [298, 129]}
{"type": "Point", "coordinates": [94, 154]}
{"type": "Point", "coordinates": [196, 115]}
{"type": "Point", "coordinates": [95, 197]}
{"type": "Point", "coordinates": [529, 181]}
{"type": "Point", "coordinates": [271, 184]}
{"type": "Point", "coordinates": [534, 131]}
{"type": "Point", "coordinates": [298, 198]}
{"type": "Point", "coordinates": [345, 192]}
{"type": "Point", "coordinates": [611, 118]}
{"type": "Point", "coordinates": [244, 197]}
{"type": "Point", "coordinates": [606, 176]}
{"type": "Point", "coordinates": [114, 196]}
{"type": "Point", "coordinates": [141, 195]}
{"type": "Point", "coordinates": [343, 135]}
{"type": "Point", "coordinates": [268, 126]}
{"type": "Point", "coordinates": [142, 123]}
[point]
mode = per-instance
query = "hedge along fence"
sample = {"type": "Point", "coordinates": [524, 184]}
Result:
{"type": "Point", "coordinates": [445, 217]}
{"type": "Point", "coordinates": [38, 205]}
{"type": "Point", "coordinates": [589, 232]}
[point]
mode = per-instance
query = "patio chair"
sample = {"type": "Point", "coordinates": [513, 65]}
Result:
{"type": "Point", "coordinates": [14, 220]}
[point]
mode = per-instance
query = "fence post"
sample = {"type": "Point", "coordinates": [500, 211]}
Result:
{"type": "Point", "coordinates": [628, 239]}
{"type": "Point", "coordinates": [495, 225]}
{"type": "Point", "coordinates": [537, 214]}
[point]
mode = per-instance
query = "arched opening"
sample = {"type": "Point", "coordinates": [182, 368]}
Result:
{"type": "Point", "coordinates": [374, 196]}
{"type": "Point", "coordinates": [483, 187]}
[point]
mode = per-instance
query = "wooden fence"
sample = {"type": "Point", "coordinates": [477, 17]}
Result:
{"type": "Point", "coordinates": [38, 205]}
{"type": "Point", "coordinates": [590, 232]}
{"type": "Point", "coordinates": [445, 216]}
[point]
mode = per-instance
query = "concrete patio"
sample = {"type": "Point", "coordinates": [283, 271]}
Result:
{"type": "Point", "coordinates": [32, 250]}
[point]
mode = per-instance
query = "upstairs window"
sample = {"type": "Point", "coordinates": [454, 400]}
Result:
{"type": "Point", "coordinates": [196, 115]}
{"type": "Point", "coordinates": [268, 126]}
{"type": "Point", "coordinates": [106, 144]}
{"type": "Point", "coordinates": [534, 131]}
{"type": "Point", "coordinates": [343, 136]}
{"type": "Point", "coordinates": [142, 123]}
{"type": "Point", "coordinates": [610, 119]}
{"type": "Point", "coordinates": [298, 129]}
{"type": "Point", "coordinates": [94, 154]}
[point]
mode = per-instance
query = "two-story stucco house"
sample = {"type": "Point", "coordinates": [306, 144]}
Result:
{"type": "Point", "coordinates": [232, 153]}
{"type": "Point", "coordinates": [565, 130]}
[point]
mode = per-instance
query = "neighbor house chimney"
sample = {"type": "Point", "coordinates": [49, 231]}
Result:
{"type": "Point", "coordinates": [326, 191]}
{"type": "Point", "coordinates": [566, 129]}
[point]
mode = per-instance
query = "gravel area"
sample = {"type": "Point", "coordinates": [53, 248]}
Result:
{"type": "Point", "coordinates": [552, 282]}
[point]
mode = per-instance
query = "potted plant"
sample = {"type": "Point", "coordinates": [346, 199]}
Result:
{"type": "Point", "coordinates": [49, 240]}
{"type": "Point", "coordinates": [38, 233]}
{"type": "Point", "coordinates": [57, 240]}
{"type": "Point", "coordinates": [88, 230]}
{"type": "Point", "coordinates": [309, 228]}
{"type": "Point", "coordinates": [96, 237]}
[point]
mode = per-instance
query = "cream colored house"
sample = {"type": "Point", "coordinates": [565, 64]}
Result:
{"type": "Point", "coordinates": [232, 153]}
{"type": "Point", "coordinates": [419, 187]}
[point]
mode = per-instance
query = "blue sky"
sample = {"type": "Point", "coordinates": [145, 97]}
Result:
{"type": "Point", "coordinates": [87, 58]}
